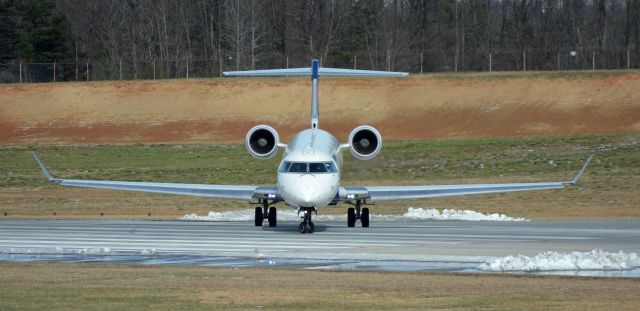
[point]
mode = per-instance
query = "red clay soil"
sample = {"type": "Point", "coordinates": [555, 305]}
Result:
{"type": "Point", "coordinates": [222, 110]}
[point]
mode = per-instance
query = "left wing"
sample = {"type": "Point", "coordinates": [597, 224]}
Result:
{"type": "Point", "coordinates": [231, 192]}
{"type": "Point", "coordinates": [386, 193]}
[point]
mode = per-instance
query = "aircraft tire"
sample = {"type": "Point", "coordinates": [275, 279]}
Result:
{"type": "Point", "coordinates": [364, 218]}
{"type": "Point", "coordinates": [259, 217]}
{"type": "Point", "coordinates": [273, 217]}
{"type": "Point", "coordinates": [302, 228]}
{"type": "Point", "coordinates": [351, 217]}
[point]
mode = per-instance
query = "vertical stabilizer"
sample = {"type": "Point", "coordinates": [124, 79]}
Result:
{"type": "Point", "coordinates": [315, 65]}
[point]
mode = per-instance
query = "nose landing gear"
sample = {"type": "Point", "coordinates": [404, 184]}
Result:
{"type": "Point", "coordinates": [306, 226]}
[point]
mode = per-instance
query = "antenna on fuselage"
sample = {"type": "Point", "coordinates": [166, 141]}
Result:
{"type": "Point", "coordinates": [315, 71]}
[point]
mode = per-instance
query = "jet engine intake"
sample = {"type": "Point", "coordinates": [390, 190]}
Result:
{"type": "Point", "coordinates": [365, 142]}
{"type": "Point", "coordinates": [262, 141]}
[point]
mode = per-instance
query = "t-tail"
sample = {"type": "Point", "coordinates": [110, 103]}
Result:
{"type": "Point", "coordinates": [315, 71]}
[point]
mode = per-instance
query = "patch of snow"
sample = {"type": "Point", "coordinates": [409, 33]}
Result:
{"type": "Point", "coordinates": [554, 261]}
{"type": "Point", "coordinates": [90, 251]}
{"type": "Point", "coordinates": [453, 214]}
{"type": "Point", "coordinates": [76, 251]}
{"type": "Point", "coordinates": [149, 251]}
{"type": "Point", "coordinates": [412, 214]}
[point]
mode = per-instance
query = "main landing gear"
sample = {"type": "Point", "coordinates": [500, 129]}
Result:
{"type": "Point", "coordinates": [356, 213]}
{"type": "Point", "coordinates": [265, 211]}
{"type": "Point", "coordinates": [306, 226]}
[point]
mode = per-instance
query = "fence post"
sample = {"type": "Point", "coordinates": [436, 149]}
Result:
{"type": "Point", "coordinates": [87, 70]}
{"type": "Point", "coordinates": [54, 71]}
{"type": "Point", "coordinates": [388, 61]}
{"type": "Point", "coordinates": [455, 61]}
{"type": "Point", "coordinates": [220, 69]}
{"type": "Point", "coordinates": [490, 62]}
{"type": "Point", "coordinates": [154, 69]}
{"type": "Point", "coordinates": [120, 68]}
{"type": "Point", "coordinates": [21, 70]}
{"type": "Point", "coordinates": [593, 60]}
{"type": "Point", "coordinates": [628, 59]}
{"type": "Point", "coordinates": [558, 60]}
{"type": "Point", "coordinates": [524, 60]}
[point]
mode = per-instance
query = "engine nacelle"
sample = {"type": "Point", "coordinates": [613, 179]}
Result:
{"type": "Point", "coordinates": [262, 141]}
{"type": "Point", "coordinates": [365, 142]}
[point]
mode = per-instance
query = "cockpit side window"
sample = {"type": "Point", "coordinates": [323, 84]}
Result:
{"type": "Point", "coordinates": [331, 168]}
{"type": "Point", "coordinates": [284, 167]}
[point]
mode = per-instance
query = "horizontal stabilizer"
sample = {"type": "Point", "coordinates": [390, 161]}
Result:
{"type": "Point", "coordinates": [307, 71]}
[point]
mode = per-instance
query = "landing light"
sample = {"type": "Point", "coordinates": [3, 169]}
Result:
{"type": "Point", "coordinates": [271, 196]}
{"type": "Point", "coordinates": [351, 196]}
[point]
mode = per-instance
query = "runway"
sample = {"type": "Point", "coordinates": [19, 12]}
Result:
{"type": "Point", "coordinates": [423, 245]}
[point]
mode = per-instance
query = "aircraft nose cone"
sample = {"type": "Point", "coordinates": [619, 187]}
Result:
{"type": "Point", "coordinates": [309, 196]}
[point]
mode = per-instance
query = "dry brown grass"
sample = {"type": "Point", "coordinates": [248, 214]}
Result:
{"type": "Point", "coordinates": [105, 287]}
{"type": "Point", "coordinates": [421, 106]}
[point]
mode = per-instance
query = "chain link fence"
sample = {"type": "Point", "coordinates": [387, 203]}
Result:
{"type": "Point", "coordinates": [16, 71]}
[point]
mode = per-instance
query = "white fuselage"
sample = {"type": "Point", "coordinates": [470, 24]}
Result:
{"type": "Point", "coordinates": [309, 174]}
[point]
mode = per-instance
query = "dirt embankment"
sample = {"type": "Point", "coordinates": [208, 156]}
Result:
{"type": "Point", "coordinates": [222, 110]}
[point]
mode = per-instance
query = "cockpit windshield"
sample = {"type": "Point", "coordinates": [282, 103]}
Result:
{"type": "Point", "coordinates": [303, 167]}
{"type": "Point", "coordinates": [298, 168]}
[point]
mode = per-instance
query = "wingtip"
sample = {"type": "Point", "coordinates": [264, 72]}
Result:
{"type": "Point", "coordinates": [582, 170]}
{"type": "Point", "coordinates": [42, 167]}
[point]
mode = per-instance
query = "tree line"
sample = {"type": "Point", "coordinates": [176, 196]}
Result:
{"type": "Point", "coordinates": [170, 36]}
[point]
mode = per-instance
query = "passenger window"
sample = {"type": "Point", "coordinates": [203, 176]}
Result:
{"type": "Point", "coordinates": [317, 168]}
{"type": "Point", "coordinates": [298, 168]}
{"type": "Point", "coordinates": [284, 167]}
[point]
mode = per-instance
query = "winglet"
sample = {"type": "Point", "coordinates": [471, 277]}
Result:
{"type": "Point", "coordinates": [584, 168]}
{"type": "Point", "coordinates": [44, 169]}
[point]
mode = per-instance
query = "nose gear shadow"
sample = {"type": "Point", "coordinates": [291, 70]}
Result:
{"type": "Point", "coordinates": [292, 228]}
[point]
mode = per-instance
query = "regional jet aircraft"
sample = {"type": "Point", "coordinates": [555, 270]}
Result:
{"type": "Point", "coordinates": [309, 174]}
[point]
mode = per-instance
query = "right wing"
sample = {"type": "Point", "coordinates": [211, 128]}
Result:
{"type": "Point", "coordinates": [231, 192]}
{"type": "Point", "coordinates": [386, 193]}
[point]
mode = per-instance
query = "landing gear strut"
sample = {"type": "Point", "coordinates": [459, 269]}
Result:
{"type": "Point", "coordinates": [306, 226]}
{"type": "Point", "coordinates": [356, 213]}
{"type": "Point", "coordinates": [265, 211]}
